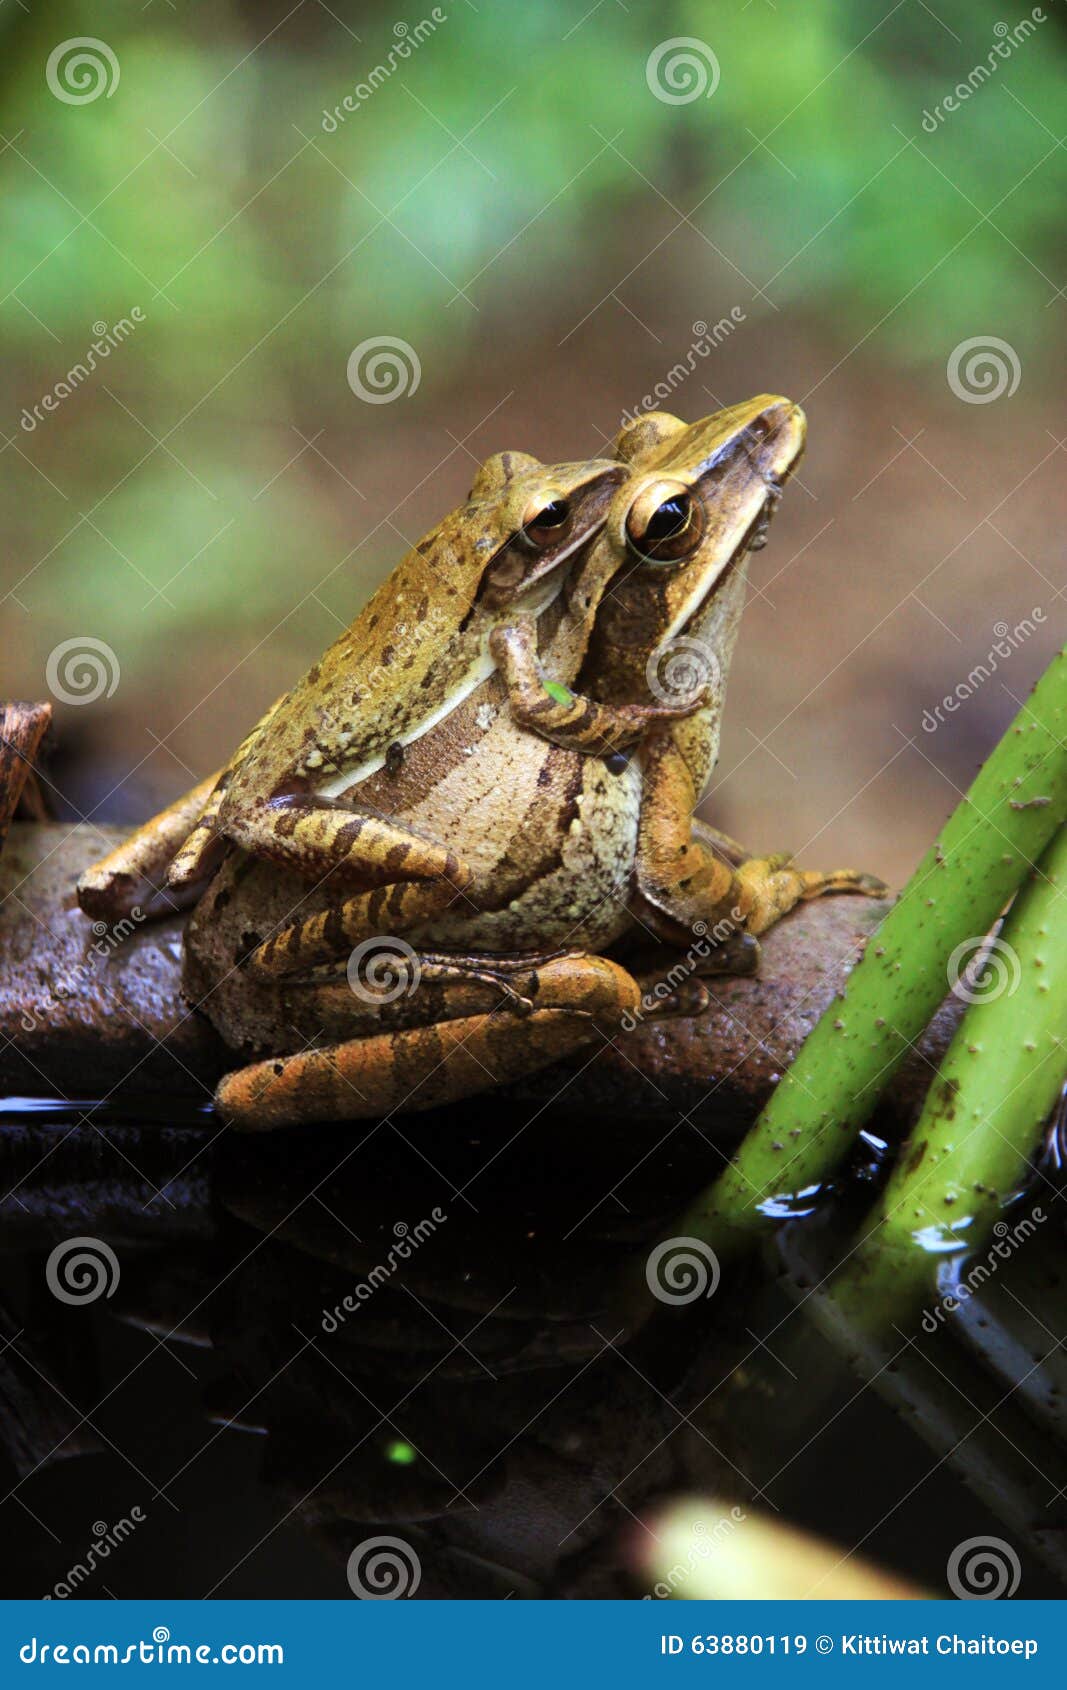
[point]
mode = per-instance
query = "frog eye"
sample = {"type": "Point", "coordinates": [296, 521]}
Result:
{"type": "Point", "coordinates": [665, 524]}
{"type": "Point", "coordinates": [546, 521]}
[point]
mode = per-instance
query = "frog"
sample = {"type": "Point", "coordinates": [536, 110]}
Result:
{"type": "Point", "coordinates": [415, 651]}
{"type": "Point", "coordinates": [569, 838]}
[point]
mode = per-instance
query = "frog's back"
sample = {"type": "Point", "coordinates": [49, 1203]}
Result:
{"type": "Point", "coordinates": [394, 665]}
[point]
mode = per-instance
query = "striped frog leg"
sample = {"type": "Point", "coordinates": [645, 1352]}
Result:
{"type": "Point", "coordinates": [319, 839]}
{"type": "Point", "coordinates": [202, 850]}
{"type": "Point", "coordinates": [570, 719]}
{"type": "Point", "coordinates": [576, 998]}
{"type": "Point", "coordinates": [680, 875]}
{"type": "Point", "coordinates": [133, 875]}
{"type": "Point", "coordinates": [165, 864]}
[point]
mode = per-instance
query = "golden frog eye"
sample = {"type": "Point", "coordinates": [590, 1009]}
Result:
{"type": "Point", "coordinates": [546, 521]}
{"type": "Point", "coordinates": [665, 524]}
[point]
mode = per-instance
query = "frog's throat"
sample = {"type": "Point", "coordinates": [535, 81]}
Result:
{"type": "Point", "coordinates": [533, 602]}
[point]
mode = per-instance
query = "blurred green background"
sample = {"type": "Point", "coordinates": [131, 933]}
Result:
{"type": "Point", "coordinates": [517, 202]}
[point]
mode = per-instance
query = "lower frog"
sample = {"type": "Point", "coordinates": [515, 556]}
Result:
{"type": "Point", "coordinates": [565, 845]}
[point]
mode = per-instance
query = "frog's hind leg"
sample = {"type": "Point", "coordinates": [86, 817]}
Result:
{"type": "Point", "coordinates": [418, 879]}
{"type": "Point", "coordinates": [577, 998]}
{"type": "Point", "coordinates": [133, 875]}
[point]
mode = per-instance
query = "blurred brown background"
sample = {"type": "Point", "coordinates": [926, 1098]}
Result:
{"type": "Point", "coordinates": [515, 199]}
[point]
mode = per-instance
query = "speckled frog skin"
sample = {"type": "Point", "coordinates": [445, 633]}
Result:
{"type": "Point", "coordinates": [563, 849]}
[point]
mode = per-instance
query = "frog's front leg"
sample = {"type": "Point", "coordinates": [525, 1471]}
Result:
{"type": "Point", "coordinates": [684, 870]}
{"type": "Point", "coordinates": [576, 999]}
{"type": "Point", "coordinates": [413, 879]}
{"type": "Point", "coordinates": [133, 875]}
{"type": "Point", "coordinates": [570, 719]}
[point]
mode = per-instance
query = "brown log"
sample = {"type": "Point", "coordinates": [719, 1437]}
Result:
{"type": "Point", "coordinates": [84, 1013]}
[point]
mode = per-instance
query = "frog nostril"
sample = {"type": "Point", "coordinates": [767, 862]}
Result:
{"type": "Point", "coordinates": [767, 423]}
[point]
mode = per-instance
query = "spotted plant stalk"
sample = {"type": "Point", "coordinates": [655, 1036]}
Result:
{"type": "Point", "coordinates": [1006, 821]}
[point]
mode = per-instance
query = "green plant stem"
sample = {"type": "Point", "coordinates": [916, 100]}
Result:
{"type": "Point", "coordinates": [997, 1085]}
{"type": "Point", "coordinates": [1015, 806]}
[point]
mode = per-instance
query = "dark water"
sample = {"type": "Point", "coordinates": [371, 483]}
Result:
{"type": "Point", "coordinates": [216, 1419]}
